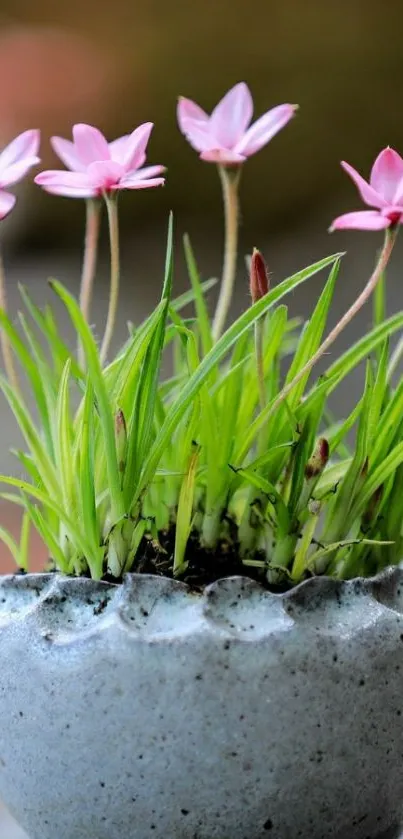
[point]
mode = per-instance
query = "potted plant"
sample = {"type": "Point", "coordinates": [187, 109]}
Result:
{"type": "Point", "coordinates": [216, 647]}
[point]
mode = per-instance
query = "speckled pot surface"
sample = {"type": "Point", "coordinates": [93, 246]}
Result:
{"type": "Point", "coordinates": [144, 711]}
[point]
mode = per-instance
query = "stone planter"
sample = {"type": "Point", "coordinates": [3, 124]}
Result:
{"type": "Point", "coordinates": [146, 711]}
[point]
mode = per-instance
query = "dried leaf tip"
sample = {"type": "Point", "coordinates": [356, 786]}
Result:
{"type": "Point", "coordinates": [259, 277]}
{"type": "Point", "coordinates": [318, 459]}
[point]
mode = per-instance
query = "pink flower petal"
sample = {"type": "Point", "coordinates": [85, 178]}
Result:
{"type": "Point", "coordinates": [362, 220]}
{"type": "Point", "coordinates": [105, 174]}
{"type": "Point", "coordinates": [232, 115]}
{"type": "Point", "coordinates": [117, 148]}
{"type": "Point", "coordinates": [7, 202]}
{"type": "Point", "coordinates": [146, 172]}
{"type": "Point", "coordinates": [392, 210]}
{"type": "Point", "coordinates": [90, 144]}
{"type": "Point", "coordinates": [14, 173]}
{"type": "Point", "coordinates": [136, 144]}
{"type": "Point", "coordinates": [264, 129]}
{"type": "Point", "coordinates": [386, 174]}
{"type": "Point", "coordinates": [70, 184]}
{"type": "Point", "coordinates": [135, 183]}
{"type": "Point", "coordinates": [199, 135]}
{"type": "Point", "coordinates": [67, 152]}
{"type": "Point", "coordinates": [25, 145]}
{"type": "Point", "coordinates": [188, 110]}
{"type": "Point", "coordinates": [367, 192]}
{"type": "Point", "coordinates": [223, 156]}
{"type": "Point", "coordinates": [72, 191]}
{"type": "Point", "coordinates": [398, 197]}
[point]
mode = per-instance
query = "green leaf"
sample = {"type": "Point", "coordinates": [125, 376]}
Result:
{"type": "Point", "coordinates": [30, 369]}
{"type": "Point", "coordinates": [386, 430]}
{"type": "Point", "coordinates": [142, 420]}
{"type": "Point", "coordinates": [216, 354]}
{"type": "Point", "coordinates": [48, 502]}
{"type": "Point", "coordinates": [333, 474]}
{"type": "Point", "coordinates": [42, 461]}
{"type": "Point", "coordinates": [339, 516]}
{"type": "Point", "coordinates": [47, 326]}
{"type": "Point", "coordinates": [46, 533]}
{"type": "Point", "coordinates": [273, 496]}
{"type": "Point", "coordinates": [104, 406]}
{"type": "Point", "coordinates": [203, 319]}
{"type": "Point", "coordinates": [12, 546]}
{"type": "Point", "coordinates": [63, 436]}
{"type": "Point", "coordinates": [311, 337]}
{"type": "Point", "coordinates": [185, 510]}
{"type": "Point", "coordinates": [183, 300]}
{"type": "Point", "coordinates": [86, 466]}
{"type": "Point", "coordinates": [378, 477]}
{"type": "Point", "coordinates": [363, 348]}
{"type": "Point", "coordinates": [342, 543]}
{"type": "Point", "coordinates": [303, 451]}
{"type": "Point", "coordinates": [24, 542]}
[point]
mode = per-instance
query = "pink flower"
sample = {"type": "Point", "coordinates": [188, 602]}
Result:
{"type": "Point", "coordinates": [98, 167]}
{"type": "Point", "coordinates": [15, 161]}
{"type": "Point", "coordinates": [224, 137]}
{"type": "Point", "coordinates": [384, 192]}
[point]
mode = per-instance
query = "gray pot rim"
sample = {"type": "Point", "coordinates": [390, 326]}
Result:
{"type": "Point", "coordinates": [64, 609]}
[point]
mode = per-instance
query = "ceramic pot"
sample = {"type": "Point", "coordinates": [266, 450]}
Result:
{"type": "Point", "coordinates": [147, 711]}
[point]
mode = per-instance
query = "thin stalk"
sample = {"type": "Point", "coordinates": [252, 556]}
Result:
{"type": "Point", "coordinates": [230, 184]}
{"type": "Point", "coordinates": [92, 224]}
{"type": "Point", "coordinates": [113, 223]}
{"type": "Point", "coordinates": [6, 350]}
{"type": "Point", "coordinates": [390, 238]}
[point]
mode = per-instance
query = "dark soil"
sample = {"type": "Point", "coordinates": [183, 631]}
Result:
{"type": "Point", "coordinates": [204, 566]}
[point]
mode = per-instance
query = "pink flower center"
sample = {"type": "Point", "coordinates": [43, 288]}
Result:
{"type": "Point", "coordinates": [394, 216]}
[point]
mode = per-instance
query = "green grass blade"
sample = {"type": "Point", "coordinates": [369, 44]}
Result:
{"type": "Point", "coordinates": [183, 300]}
{"type": "Point", "coordinates": [378, 477]}
{"type": "Point", "coordinates": [203, 319]}
{"type": "Point", "coordinates": [63, 436]}
{"type": "Point", "coordinates": [216, 354]}
{"type": "Point", "coordinates": [311, 336]}
{"type": "Point", "coordinates": [48, 502]}
{"type": "Point", "coordinates": [24, 541]}
{"type": "Point", "coordinates": [30, 369]}
{"type": "Point", "coordinates": [59, 350]}
{"type": "Point", "coordinates": [363, 348]}
{"type": "Point", "coordinates": [142, 421]}
{"type": "Point", "coordinates": [42, 461]}
{"type": "Point", "coordinates": [86, 467]}
{"type": "Point", "coordinates": [12, 546]}
{"type": "Point", "coordinates": [184, 515]}
{"type": "Point", "coordinates": [104, 407]}
{"type": "Point", "coordinates": [269, 490]}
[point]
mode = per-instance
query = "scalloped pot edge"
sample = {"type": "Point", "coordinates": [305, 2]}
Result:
{"type": "Point", "coordinates": [159, 608]}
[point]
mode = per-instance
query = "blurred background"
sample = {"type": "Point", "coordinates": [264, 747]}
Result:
{"type": "Point", "coordinates": [117, 65]}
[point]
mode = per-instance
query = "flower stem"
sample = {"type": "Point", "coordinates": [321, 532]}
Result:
{"type": "Point", "coordinates": [6, 350]}
{"type": "Point", "coordinates": [93, 213]}
{"type": "Point", "coordinates": [230, 184]}
{"type": "Point", "coordinates": [112, 209]}
{"type": "Point", "coordinates": [390, 238]}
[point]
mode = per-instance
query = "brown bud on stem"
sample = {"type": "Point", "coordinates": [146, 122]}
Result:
{"type": "Point", "coordinates": [121, 438]}
{"type": "Point", "coordinates": [258, 278]}
{"type": "Point", "coordinates": [318, 459]}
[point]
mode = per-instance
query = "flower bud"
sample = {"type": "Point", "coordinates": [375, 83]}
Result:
{"type": "Point", "coordinates": [318, 459]}
{"type": "Point", "coordinates": [121, 438]}
{"type": "Point", "coordinates": [258, 278]}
